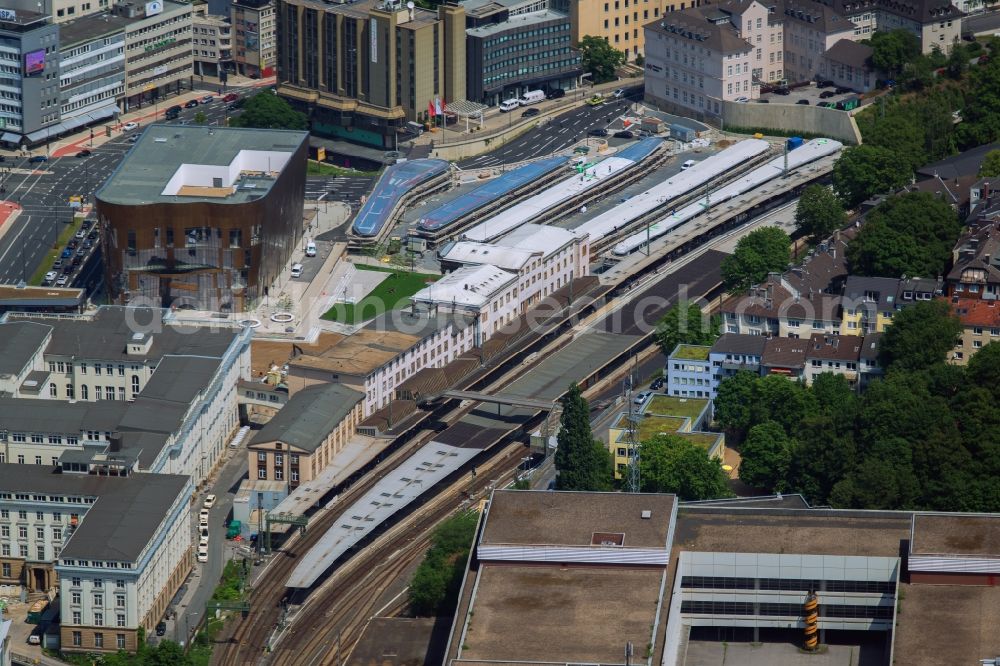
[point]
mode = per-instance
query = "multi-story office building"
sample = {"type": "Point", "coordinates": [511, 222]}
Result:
{"type": "Point", "coordinates": [91, 69]}
{"type": "Point", "coordinates": [211, 42]}
{"type": "Point", "coordinates": [254, 37]}
{"type": "Point", "coordinates": [122, 388]}
{"type": "Point", "coordinates": [158, 56]}
{"type": "Point", "coordinates": [29, 77]}
{"type": "Point", "coordinates": [116, 570]}
{"type": "Point", "coordinates": [619, 22]}
{"type": "Point", "coordinates": [212, 223]}
{"type": "Point", "coordinates": [515, 46]}
{"type": "Point", "coordinates": [362, 69]}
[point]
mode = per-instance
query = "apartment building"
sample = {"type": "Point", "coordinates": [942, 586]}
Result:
{"type": "Point", "coordinates": [384, 353]}
{"type": "Point", "coordinates": [91, 69]}
{"type": "Point", "coordinates": [776, 308]}
{"type": "Point", "coordinates": [158, 57]}
{"type": "Point", "coordinates": [115, 570]}
{"type": "Point", "coordinates": [975, 272]}
{"type": "Point", "coordinates": [254, 37]}
{"type": "Point", "coordinates": [545, 259]}
{"type": "Point", "coordinates": [980, 326]}
{"type": "Point", "coordinates": [689, 372]}
{"type": "Point", "coordinates": [836, 354]}
{"type": "Point", "coordinates": [517, 45]}
{"type": "Point", "coordinates": [305, 435]}
{"type": "Point", "coordinates": [155, 393]}
{"type": "Point", "coordinates": [363, 69]}
{"type": "Point", "coordinates": [211, 42]}
{"type": "Point", "coordinates": [619, 22]}
{"type": "Point", "coordinates": [848, 63]}
{"type": "Point", "coordinates": [732, 353]}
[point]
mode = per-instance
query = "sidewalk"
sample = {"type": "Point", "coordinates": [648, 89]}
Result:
{"type": "Point", "coordinates": [8, 212]}
{"type": "Point", "coordinates": [72, 144]}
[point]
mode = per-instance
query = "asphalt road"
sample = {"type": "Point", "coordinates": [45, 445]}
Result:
{"type": "Point", "coordinates": [559, 133]}
{"type": "Point", "coordinates": [43, 191]}
{"type": "Point", "coordinates": [348, 189]}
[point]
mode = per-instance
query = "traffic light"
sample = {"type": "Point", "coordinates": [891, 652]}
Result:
{"type": "Point", "coordinates": [107, 130]}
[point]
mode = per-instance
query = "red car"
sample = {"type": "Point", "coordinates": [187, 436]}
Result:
{"type": "Point", "coordinates": [231, 97]}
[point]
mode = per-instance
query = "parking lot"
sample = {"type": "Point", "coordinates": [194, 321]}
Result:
{"type": "Point", "coordinates": [72, 257]}
{"type": "Point", "coordinates": [810, 94]}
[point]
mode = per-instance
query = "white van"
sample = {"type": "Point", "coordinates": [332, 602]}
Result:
{"type": "Point", "coordinates": [509, 105]}
{"type": "Point", "coordinates": [688, 165]}
{"type": "Point", "coordinates": [310, 249]}
{"type": "Point", "coordinates": [532, 97]}
{"type": "Point", "coordinates": [296, 270]}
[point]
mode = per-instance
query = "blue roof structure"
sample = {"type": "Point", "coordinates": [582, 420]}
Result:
{"type": "Point", "coordinates": [394, 184]}
{"type": "Point", "coordinates": [488, 192]}
{"type": "Point", "coordinates": [641, 149]}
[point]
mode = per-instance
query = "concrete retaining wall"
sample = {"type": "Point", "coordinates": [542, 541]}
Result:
{"type": "Point", "coordinates": [793, 118]}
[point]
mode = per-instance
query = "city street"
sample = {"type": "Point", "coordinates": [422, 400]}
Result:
{"type": "Point", "coordinates": [558, 133]}
{"type": "Point", "coordinates": [348, 189]}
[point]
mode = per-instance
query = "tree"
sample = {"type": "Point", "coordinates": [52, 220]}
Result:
{"type": "Point", "coordinates": [600, 58]}
{"type": "Point", "coordinates": [893, 50]}
{"type": "Point", "coordinates": [819, 213]}
{"type": "Point", "coordinates": [200, 118]}
{"type": "Point", "coordinates": [776, 398]}
{"type": "Point", "coordinates": [984, 368]}
{"type": "Point", "coordinates": [582, 462]}
{"type": "Point", "coordinates": [760, 252]}
{"type": "Point", "coordinates": [436, 582]}
{"type": "Point", "coordinates": [907, 234]}
{"type": "Point", "coordinates": [674, 464]}
{"type": "Point", "coordinates": [921, 335]}
{"type": "Point", "coordinates": [990, 168]}
{"type": "Point", "coordinates": [266, 110]}
{"type": "Point", "coordinates": [862, 171]}
{"type": "Point", "coordinates": [766, 455]}
{"type": "Point", "coordinates": [684, 323]}
{"type": "Point", "coordinates": [732, 402]}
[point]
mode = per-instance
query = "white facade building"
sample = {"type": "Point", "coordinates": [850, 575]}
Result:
{"type": "Point", "coordinates": [489, 293]}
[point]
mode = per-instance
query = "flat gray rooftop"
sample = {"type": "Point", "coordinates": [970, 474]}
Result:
{"type": "Point", "coordinates": [519, 21]}
{"type": "Point", "coordinates": [120, 523]}
{"type": "Point", "coordinates": [572, 519]}
{"type": "Point", "coordinates": [19, 341]}
{"type": "Point", "coordinates": [88, 28]}
{"type": "Point", "coordinates": [943, 534]}
{"type": "Point", "coordinates": [147, 168]}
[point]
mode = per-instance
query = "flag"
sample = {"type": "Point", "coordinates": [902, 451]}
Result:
{"type": "Point", "coordinates": [430, 109]}
{"type": "Point", "coordinates": [437, 106]}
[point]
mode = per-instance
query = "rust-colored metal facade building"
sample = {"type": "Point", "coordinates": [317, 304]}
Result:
{"type": "Point", "coordinates": [202, 218]}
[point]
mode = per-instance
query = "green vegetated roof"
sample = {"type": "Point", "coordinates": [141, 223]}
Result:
{"type": "Point", "coordinates": [666, 405]}
{"type": "Point", "coordinates": [691, 352]}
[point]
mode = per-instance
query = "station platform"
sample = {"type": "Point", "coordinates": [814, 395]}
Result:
{"type": "Point", "coordinates": [397, 182]}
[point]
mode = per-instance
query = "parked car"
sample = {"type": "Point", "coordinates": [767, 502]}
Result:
{"type": "Point", "coordinates": [56, 265]}
{"type": "Point", "coordinates": [67, 268]}
{"type": "Point", "coordinates": [34, 638]}
{"type": "Point", "coordinates": [657, 384]}
{"type": "Point", "coordinates": [81, 253]}
{"type": "Point", "coordinates": [618, 94]}
{"type": "Point", "coordinates": [763, 100]}
{"type": "Point", "coordinates": [641, 398]}
{"type": "Point", "coordinates": [209, 501]}
{"type": "Point", "coordinates": [92, 235]}
{"type": "Point", "coordinates": [133, 138]}
{"type": "Point", "coordinates": [823, 83]}
{"type": "Point", "coordinates": [231, 97]}
{"type": "Point", "coordinates": [841, 90]}
{"type": "Point", "coordinates": [62, 281]}
{"type": "Point", "coordinates": [782, 91]}
{"type": "Point", "coordinates": [88, 243]}
{"type": "Point", "coordinates": [802, 101]}
{"type": "Point", "coordinates": [531, 113]}
{"type": "Point", "coordinates": [191, 104]}
{"type": "Point", "coordinates": [624, 134]}
{"type": "Point", "coordinates": [128, 127]}
{"type": "Point", "coordinates": [207, 99]}
{"type": "Point", "coordinates": [556, 93]}
{"type": "Point", "coordinates": [80, 234]}
{"type": "Point", "coordinates": [827, 94]}
{"type": "Point", "coordinates": [66, 253]}
{"type": "Point", "coordinates": [78, 259]}
{"type": "Point", "coordinates": [161, 628]}
{"type": "Point", "coordinates": [598, 131]}
{"type": "Point", "coordinates": [202, 553]}
{"type": "Point", "coordinates": [50, 277]}
{"type": "Point", "coordinates": [203, 533]}
{"type": "Point", "coordinates": [72, 243]}
{"type": "Point", "coordinates": [742, 100]}
{"type": "Point", "coordinates": [84, 153]}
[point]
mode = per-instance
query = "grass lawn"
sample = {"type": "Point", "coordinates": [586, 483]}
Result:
{"type": "Point", "coordinates": [651, 426]}
{"type": "Point", "coordinates": [68, 231]}
{"type": "Point", "coordinates": [668, 405]}
{"type": "Point", "coordinates": [391, 294]}
{"type": "Point", "coordinates": [314, 168]}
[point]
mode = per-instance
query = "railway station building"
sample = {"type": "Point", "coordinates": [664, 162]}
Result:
{"type": "Point", "coordinates": [731, 580]}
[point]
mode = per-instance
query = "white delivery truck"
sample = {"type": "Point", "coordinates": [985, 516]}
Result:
{"type": "Point", "coordinates": [532, 97]}
{"type": "Point", "coordinates": [508, 105]}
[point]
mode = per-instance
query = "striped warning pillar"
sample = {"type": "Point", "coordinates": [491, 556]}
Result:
{"type": "Point", "coordinates": [811, 613]}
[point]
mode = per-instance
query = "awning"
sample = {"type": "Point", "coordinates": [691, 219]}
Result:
{"type": "Point", "coordinates": [10, 138]}
{"type": "Point", "coordinates": [106, 112]}
{"type": "Point", "coordinates": [35, 137]}
{"type": "Point", "coordinates": [74, 122]}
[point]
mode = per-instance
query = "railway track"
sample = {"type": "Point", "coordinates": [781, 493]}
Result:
{"type": "Point", "coordinates": [352, 594]}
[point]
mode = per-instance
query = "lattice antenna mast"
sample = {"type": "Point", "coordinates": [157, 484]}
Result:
{"type": "Point", "coordinates": [631, 441]}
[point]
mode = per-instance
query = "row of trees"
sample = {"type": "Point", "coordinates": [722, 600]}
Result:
{"type": "Point", "coordinates": [437, 581]}
{"type": "Point", "coordinates": [925, 437]}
